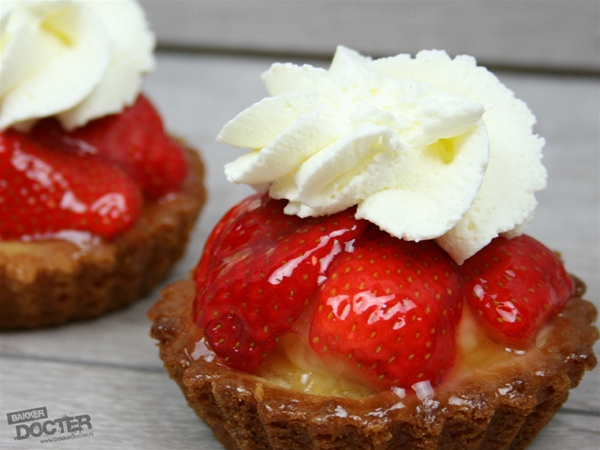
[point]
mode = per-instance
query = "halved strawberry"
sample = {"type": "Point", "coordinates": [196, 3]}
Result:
{"type": "Point", "coordinates": [246, 205]}
{"type": "Point", "coordinates": [389, 310]}
{"type": "Point", "coordinates": [134, 139]}
{"type": "Point", "coordinates": [45, 191]}
{"type": "Point", "coordinates": [259, 270]}
{"type": "Point", "coordinates": [514, 285]}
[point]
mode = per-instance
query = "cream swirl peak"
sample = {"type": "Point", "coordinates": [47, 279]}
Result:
{"type": "Point", "coordinates": [426, 147]}
{"type": "Point", "coordinates": [73, 59]}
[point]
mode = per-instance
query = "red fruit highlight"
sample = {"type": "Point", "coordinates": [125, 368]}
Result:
{"type": "Point", "coordinates": [389, 310]}
{"type": "Point", "coordinates": [259, 270]}
{"type": "Point", "coordinates": [44, 191]}
{"type": "Point", "coordinates": [135, 140]}
{"type": "Point", "coordinates": [382, 310]}
{"type": "Point", "coordinates": [514, 285]}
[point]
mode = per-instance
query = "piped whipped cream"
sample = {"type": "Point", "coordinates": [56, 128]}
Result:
{"type": "Point", "coordinates": [74, 59]}
{"type": "Point", "coordinates": [427, 147]}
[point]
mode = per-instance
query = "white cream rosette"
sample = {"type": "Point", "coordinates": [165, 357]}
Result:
{"type": "Point", "coordinates": [426, 147]}
{"type": "Point", "coordinates": [74, 59]}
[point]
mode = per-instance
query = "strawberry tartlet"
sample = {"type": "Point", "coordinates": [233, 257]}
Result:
{"type": "Point", "coordinates": [335, 308]}
{"type": "Point", "coordinates": [97, 201]}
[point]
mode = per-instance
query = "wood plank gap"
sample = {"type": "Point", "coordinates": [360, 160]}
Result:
{"type": "Point", "coordinates": [108, 365]}
{"type": "Point", "coordinates": [579, 412]}
{"type": "Point", "coordinates": [285, 56]}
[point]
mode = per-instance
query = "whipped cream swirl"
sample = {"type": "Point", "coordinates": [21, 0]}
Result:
{"type": "Point", "coordinates": [426, 147]}
{"type": "Point", "coordinates": [74, 59]}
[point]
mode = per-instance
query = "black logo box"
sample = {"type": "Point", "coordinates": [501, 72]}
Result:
{"type": "Point", "coordinates": [27, 415]}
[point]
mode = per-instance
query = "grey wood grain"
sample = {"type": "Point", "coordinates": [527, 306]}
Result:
{"type": "Point", "coordinates": [556, 34]}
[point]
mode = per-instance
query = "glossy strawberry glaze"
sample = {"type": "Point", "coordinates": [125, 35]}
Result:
{"type": "Point", "coordinates": [89, 183]}
{"type": "Point", "coordinates": [293, 255]}
{"type": "Point", "coordinates": [482, 362]}
{"type": "Point", "coordinates": [295, 358]}
{"type": "Point", "coordinates": [47, 193]}
{"type": "Point", "coordinates": [294, 365]}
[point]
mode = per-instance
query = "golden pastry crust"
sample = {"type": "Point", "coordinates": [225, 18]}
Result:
{"type": "Point", "coordinates": [52, 282]}
{"type": "Point", "coordinates": [492, 410]}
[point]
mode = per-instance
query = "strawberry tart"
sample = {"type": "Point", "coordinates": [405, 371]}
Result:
{"type": "Point", "coordinates": [97, 200]}
{"type": "Point", "coordinates": [378, 291]}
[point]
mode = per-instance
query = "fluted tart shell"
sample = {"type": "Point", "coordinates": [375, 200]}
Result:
{"type": "Point", "coordinates": [503, 409]}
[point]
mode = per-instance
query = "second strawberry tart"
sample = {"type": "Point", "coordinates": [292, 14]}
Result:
{"type": "Point", "coordinates": [97, 200]}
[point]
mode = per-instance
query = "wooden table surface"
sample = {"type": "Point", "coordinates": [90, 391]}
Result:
{"type": "Point", "coordinates": [109, 368]}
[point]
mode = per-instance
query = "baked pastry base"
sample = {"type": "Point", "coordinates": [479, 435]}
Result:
{"type": "Point", "coordinates": [51, 282]}
{"type": "Point", "coordinates": [479, 409]}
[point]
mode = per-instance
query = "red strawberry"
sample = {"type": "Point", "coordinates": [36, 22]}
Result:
{"type": "Point", "coordinates": [246, 205]}
{"type": "Point", "coordinates": [389, 310]}
{"type": "Point", "coordinates": [134, 139]}
{"type": "Point", "coordinates": [45, 191]}
{"type": "Point", "coordinates": [259, 269]}
{"type": "Point", "coordinates": [515, 285]}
